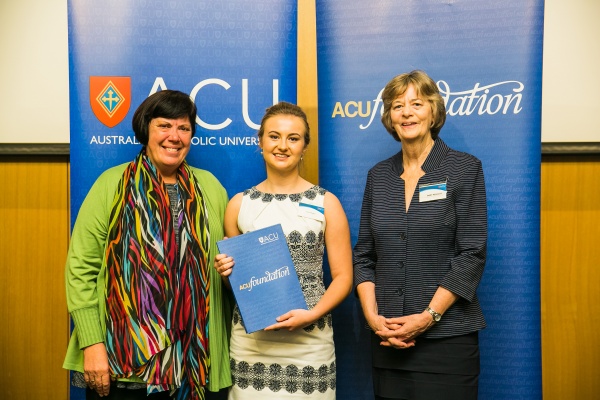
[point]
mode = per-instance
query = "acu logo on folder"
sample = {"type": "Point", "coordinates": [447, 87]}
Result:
{"type": "Point", "coordinates": [264, 280]}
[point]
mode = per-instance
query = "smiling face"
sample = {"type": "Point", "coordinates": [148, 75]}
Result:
{"type": "Point", "coordinates": [168, 145]}
{"type": "Point", "coordinates": [411, 116]}
{"type": "Point", "coordinates": [283, 142]}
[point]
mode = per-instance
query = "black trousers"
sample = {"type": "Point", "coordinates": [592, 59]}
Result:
{"type": "Point", "coordinates": [140, 394]}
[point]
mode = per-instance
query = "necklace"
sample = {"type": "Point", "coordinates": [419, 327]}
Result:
{"type": "Point", "coordinates": [422, 156]}
{"type": "Point", "coordinates": [427, 149]}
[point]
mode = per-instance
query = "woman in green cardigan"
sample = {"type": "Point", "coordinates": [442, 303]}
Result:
{"type": "Point", "coordinates": [150, 315]}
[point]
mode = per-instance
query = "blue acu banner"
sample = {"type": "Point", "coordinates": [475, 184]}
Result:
{"type": "Point", "coordinates": [486, 58]}
{"type": "Point", "coordinates": [234, 58]}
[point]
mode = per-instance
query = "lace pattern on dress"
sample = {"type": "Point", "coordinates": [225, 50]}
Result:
{"type": "Point", "coordinates": [310, 194]}
{"type": "Point", "coordinates": [291, 378]}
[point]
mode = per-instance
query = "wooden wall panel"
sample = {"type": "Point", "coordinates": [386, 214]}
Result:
{"type": "Point", "coordinates": [33, 243]}
{"type": "Point", "coordinates": [307, 84]}
{"type": "Point", "coordinates": [570, 277]}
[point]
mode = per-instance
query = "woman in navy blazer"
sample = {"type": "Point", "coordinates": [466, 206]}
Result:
{"type": "Point", "coordinates": [421, 251]}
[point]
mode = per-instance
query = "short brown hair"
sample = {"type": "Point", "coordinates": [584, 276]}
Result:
{"type": "Point", "coordinates": [170, 104]}
{"type": "Point", "coordinates": [425, 87]}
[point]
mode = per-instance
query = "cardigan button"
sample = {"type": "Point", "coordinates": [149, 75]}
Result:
{"type": "Point", "coordinates": [402, 235]}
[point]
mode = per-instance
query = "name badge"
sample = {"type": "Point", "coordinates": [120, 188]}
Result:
{"type": "Point", "coordinates": [311, 211]}
{"type": "Point", "coordinates": [432, 191]}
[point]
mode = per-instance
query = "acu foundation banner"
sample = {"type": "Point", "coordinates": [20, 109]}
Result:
{"type": "Point", "coordinates": [235, 58]}
{"type": "Point", "coordinates": [486, 58]}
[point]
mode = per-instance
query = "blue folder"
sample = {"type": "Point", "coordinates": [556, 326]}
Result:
{"type": "Point", "coordinates": [264, 280]}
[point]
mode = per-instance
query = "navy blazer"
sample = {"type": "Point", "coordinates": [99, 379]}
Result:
{"type": "Point", "coordinates": [436, 243]}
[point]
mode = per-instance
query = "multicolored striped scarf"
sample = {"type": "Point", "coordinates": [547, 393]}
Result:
{"type": "Point", "coordinates": [156, 292]}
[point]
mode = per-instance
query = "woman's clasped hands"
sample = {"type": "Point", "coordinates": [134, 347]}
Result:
{"type": "Point", "coordinates": [401, 332]}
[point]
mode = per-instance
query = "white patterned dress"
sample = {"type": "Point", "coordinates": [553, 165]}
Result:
{"type": "Point", "coordinates": [283, 364]}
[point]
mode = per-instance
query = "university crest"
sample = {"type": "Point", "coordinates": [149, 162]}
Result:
{"type": "Point", "coordinates": [110, 98]}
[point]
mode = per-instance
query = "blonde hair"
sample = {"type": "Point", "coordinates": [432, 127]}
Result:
{"type": "Point", "coordinates": [285, 108]}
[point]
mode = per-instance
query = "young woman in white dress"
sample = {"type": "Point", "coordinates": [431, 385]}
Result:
{"type": "Point", "coordinates": [293, 358]}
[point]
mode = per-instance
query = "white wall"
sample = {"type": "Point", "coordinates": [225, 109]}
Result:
{"type": "Point", "coordinates": [34, 71]}
{"type": "Point", "coordinates": [34, 100]}
{"type": "Point", "coordinates": [571, 80]}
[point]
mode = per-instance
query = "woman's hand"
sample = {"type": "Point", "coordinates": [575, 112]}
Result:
{"type": "Point", "coordinates": [401, 332]}
{"type": "Point", "coordinates": [224, 264]}
{"type": "Point", "coordinates": [95, 368]}
{"type": "Point", "coordinates": [292, 320]}
{"type": "Point", "coordinates": [376, 322]}
{"type": "Point", "coordinates": [379, 324]}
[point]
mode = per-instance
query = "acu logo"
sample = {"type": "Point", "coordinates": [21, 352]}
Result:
{"type": "Point", "coordinates": [110, 98]}
{"type": "Point", "coordinates": [271, 237]}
